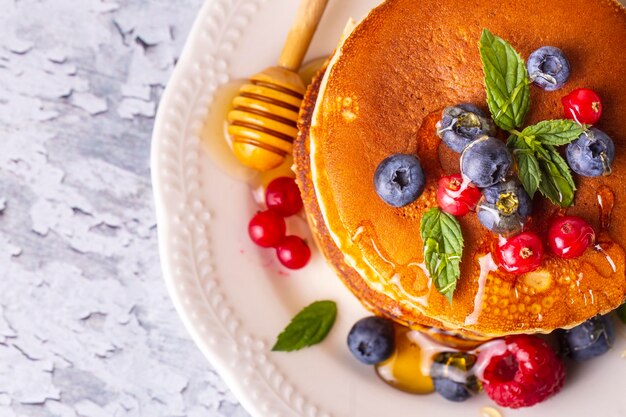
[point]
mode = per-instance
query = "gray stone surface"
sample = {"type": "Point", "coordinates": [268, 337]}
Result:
{"type": "Point", "coordinates": [86, 326]}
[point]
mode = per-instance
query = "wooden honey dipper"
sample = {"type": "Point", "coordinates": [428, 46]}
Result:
{"type": "Point", "coordinates": [263, 122]}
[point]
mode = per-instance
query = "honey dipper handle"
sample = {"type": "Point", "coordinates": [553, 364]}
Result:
{"type": "Point", "coordinates": [309, 15]}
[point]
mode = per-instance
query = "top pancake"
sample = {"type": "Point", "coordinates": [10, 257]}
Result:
{"type": "Point", "coordinates": [383, 93]}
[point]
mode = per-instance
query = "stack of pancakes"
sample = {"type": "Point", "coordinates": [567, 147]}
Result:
{"type": "Point", "coordinates": [382, 93]}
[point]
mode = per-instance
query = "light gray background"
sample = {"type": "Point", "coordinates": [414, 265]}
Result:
{"type": "Point", "coordinates": [86, 326]}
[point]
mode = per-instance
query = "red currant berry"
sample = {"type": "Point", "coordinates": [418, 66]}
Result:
{"type": "Point", "coordinates": [267, 229]}
{"type": "Point", "coordinates": [456, 197]}
{"type": "Point", "coordinates": [570, 236]}
{"type": "Point", "coordinates": [293, 252]}
{"type": "Point", "coordinates": [583, 106]}
{"type": "Point", "coordinates": [521, 253]}
{"type": "Point", "coordinates": [283, 196]}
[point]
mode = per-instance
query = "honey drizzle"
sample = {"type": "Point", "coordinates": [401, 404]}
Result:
{"type": "Point", "coordinates": [606, 203]}
{"type": "Point", "coordinates": [365, 234]}
{"type": "Point", "coordinates": [397, 282]}
{"type": "Point", "coordinates": [487, 265]}
{"type": "Point", "coordinates": [405, 370]}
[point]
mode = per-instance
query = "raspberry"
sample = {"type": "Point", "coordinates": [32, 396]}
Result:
{"type": "Point", "coordinates": [526, 373]}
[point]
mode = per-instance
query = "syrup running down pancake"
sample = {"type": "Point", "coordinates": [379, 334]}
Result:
{"type": "Point", "coordinates": [382, 93]}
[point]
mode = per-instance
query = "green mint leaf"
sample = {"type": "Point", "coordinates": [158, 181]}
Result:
{"type": "Point", "coordinates": [443, 247]}
{"type": "Point", "coordinates": [621, 313]}
{"type": "Point", "coordinates": [506, 81]}
{"type": "Point", "coordinates": [309, 327]}
{"type": "Point", "coordinates": [529, 171]}
{"type": "Point", "coordinates": [554, 132]}
{"type": "Point", "coordinates": [557, 183]}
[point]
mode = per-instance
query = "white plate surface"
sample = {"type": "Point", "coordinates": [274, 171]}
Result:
{"type": "Point", "coordinates": [234, 299]}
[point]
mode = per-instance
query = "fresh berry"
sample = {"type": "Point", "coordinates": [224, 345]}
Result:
{"type": "Point", "coordinates": [548, 67]}
{"type": "Point", "coordinates": [583, 106]}
{"type": "Point", "coordinates": [399, 180]}
{"type": "Point", "coordinates": [486, 161]}
{"type": "Point", "coordinates": [570, 236]}
{"type": "Point", "coordinates": [526, 373]}
{"type": "Point", "coordinates": [592, 338]}
{"type": "Point", "coordinates": [372, 340]}
{"type": "Point", "coordinates": [520, 254]}
{"type": "Point", "coordinates": [456, 197]}
{"type": "Point", "coordinates": [267, 229]}
{"type": "Point", "coordinates": [505, 207]}
{"type": "Point", "coordinates": [283, 196]}
{"type": "Point", "coordinates": [293, 252]}
{"type": "Point", "coordinates": [451, 376]}
{"type": "Point", "coordinates": [461, 124]}
{"type": "Point", "coordinates": [592, 154]}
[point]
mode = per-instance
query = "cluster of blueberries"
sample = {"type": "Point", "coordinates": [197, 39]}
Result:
{"type": "Point", "coordinates": [487, 162]}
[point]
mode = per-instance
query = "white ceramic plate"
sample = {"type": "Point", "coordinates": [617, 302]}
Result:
{"type": "Point", "coordinates": [233, 298]}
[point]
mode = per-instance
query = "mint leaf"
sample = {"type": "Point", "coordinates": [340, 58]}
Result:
{"type": "Point", "coordinates": [554, 132]}
{"type": "Point", "coordinates": [557, 183]}
{"type": "Point", "coordinates": [621, 313]}
{"type": "Point", "coordinates": [443, 247]}
{"type": "Point", "coordinates": [309, 327]}
{"type": "Point", "coordinates": [506, 80]}
{"type": "Point", "coordinates": [529, 171]}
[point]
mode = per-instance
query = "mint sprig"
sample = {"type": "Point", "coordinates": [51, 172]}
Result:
{"type": "Point", "coordinates": [309, 327]}
{"type": "Point", "coordinates": [541, 167]}
{"type": "Point", "coordinates": [443, 247]}
{"type": "Point", "coordinates": [507, 81]}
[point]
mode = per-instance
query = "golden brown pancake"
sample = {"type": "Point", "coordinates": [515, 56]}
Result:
{"type": "Point", "coordinates": [382, 94]}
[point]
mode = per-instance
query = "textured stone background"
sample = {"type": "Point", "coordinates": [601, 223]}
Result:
{"type": "Point", "coordinates": [86, 326]}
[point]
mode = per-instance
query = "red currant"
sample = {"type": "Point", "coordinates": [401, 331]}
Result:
{"type": "Point", "coordinates": [267, 229]}
{"type": "Point", "coordinates": [456, 197]}
{"type": "Point", "coordinates": [521, 253]}
{"type": "Point", "coordinates": [570, 236]}
{"type": "Point", "coordinates": [283, 196]}
{"type": "Point", "coordinates": [583, 106]}
{"type": "Point", "coordinates": [293, 252]}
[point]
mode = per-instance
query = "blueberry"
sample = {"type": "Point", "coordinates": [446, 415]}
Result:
{"type": "Point", "coordinates": [548, 67]}
{"type": "Point", "coordinates": [462, 124]}
{"type": "Point", "coordinates": [504, 207]}
{"type": "Point", "coordinates": [399, 180]}
{"type": "Point", "coordinates": [592, 154]}
{"type": "Point", "coordinates": [588, 340]}
{"type": "Point", "coordinates": [451, 376]}
{"type": "Point", "coordinates": [372, 340]}
{"type": "Point", "coordinates": [486, 161]}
